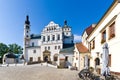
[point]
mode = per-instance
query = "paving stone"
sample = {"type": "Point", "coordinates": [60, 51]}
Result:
{"type": "Point", "coordinates": [37, 72]}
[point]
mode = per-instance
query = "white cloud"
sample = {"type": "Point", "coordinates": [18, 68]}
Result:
{"type": "Point", "coordinates": [77, 38]}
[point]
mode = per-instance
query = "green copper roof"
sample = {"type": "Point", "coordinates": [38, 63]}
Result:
{"type": "Point", "coordinates": [67, 50]}
{"type": "Point", "coordinates": [33, 36]}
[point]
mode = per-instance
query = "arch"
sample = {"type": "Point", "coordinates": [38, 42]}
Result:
{"type": "Point", "coordinates": [7, 57]}
{"type": "Point", "coordinates": [55, 57]}
{"type": "Point", "coordinates": [97, 61]}
{"type": "Point", "coordinates": [46, 55]}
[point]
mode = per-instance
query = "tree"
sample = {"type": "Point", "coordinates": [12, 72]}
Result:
{"type": "Point", "coordinates": [15, 48]}
{"type": "Point", "coordinates": [3, 50]}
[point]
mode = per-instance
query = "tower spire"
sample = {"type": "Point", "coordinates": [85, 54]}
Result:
{"type": "Point", "coordinates": [65, 22]}
{"type": "Point", "coordinates": [27, 20]}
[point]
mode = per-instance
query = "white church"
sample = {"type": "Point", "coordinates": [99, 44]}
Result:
{"type": "Point", "coordinates": [46, 46]}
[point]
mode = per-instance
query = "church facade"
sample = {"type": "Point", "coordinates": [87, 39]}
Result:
{"type": "Point", "coordinates": [46, 46]}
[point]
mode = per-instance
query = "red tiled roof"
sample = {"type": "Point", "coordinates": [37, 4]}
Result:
{"type": "Point", "coordinates": [89, 30]}
{"type": "Point", "coordinates": [81, 48]}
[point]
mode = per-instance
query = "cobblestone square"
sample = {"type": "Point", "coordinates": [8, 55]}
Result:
{"type": "Point", "coordinates": [37, 72]}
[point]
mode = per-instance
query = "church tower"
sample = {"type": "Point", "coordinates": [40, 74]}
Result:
{"type": "Point", "coordinates": [27, 32]}
{"type": "Point", "coordinates": [67, 34]}
{"type": "Point", "coordinates": [26, 37]}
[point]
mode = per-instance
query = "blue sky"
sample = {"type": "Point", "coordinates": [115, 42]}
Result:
{"type": "Point", "coordinates": [79, 14]}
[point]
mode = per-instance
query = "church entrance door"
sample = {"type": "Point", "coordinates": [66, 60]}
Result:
{"type": "Point", "coordinates": [46, 56]}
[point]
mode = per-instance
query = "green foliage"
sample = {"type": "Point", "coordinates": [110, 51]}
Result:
{"type": "Point", "coordinates": [3, 49]}
{"type": "Point", "coordinates": [14, 48]}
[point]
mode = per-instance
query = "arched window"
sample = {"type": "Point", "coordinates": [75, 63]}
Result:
{"type": "Point", "coordinates": [97, 61]}
{"type": "Point", "coordinates": [27, 31]}
{"type": "Point", "coordinates": [55, 57]}
{"type": "Point", "coordinates": [27, 36]}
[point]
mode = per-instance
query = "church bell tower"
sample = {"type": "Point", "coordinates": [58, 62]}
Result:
{"type": "Point", "coordinates": [27, 32]}
{"type": "Point", "coordinates": [67, 34]}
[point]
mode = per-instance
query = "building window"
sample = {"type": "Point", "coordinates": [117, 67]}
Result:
{"type": "Point", "coordinates": [101, 55]}
{"type": "Point", "coordinates": [58, 37]}
{"type": "Point", "coordinates": [88, 62]}
{"type": "Point", "coordinates": [58, 47]}
{"type": "Point", "coordinates": [43, 38]}
{"type": "Point", "coordinates": [27, 31]}
{"type": "Point", "coordinates": [34, 51]}
{"type": "Point", "coordinates": [109, 63]}
{"type": "Point", "coordinates": [55, 58]}
{"type": "Point", "coordinates": [53, 37]}
{"type": "Point", "coordinates": [112, 30]}
{"type": "Point", "coordinates": [90, 46]}
{"type": "Point", "coordinates": [97, 61]}
{"type": "Point", "coordinates": [32, 44]}
{"type": "Point", "coordinates": [52, 28]}
{"type": "Point", "coordinates": [45, 48]}
{"type": "Point", "coordinates": [103, 39]}
{"type": "Point", "coordinates": [31, 59]}
{"type": "Point", "coordinates": [93, 44]}
{"type": "Point", "coordinates": [48, 38]}
{"type": "Point", "coordinates": [55, 47]}
{"type": "Point", "coordinates": [72, 41]}
{"type": "Point", "coordinates": [39, 59]}
{"type": "Point", "coordinates": [66, 58]}
{"type": "Point", "coordinates": [27, 36]}
{"type": "Point", "coordinates": [48, 47]}
{"type": "Point", "coordinates": [76, 58]}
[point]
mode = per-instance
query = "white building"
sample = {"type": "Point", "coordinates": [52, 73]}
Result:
{"type": "Point", "coordinates": [46, 46]}
{"type": "Point", "coordinates": [80, 51]}
{"type": "Point", "coordinates": [66, 57]}
{"type": "Point", "coordinates": [107, 30]}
